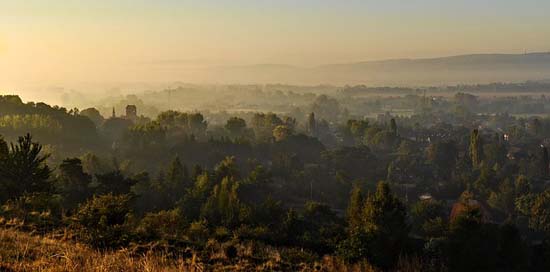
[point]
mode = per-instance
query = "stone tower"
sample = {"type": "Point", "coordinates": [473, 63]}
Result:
{"type": "Point", "coordinates": [131, 112]}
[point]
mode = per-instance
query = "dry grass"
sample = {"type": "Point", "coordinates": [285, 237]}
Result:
{"type": "Point", "coordinates": [21, 251]}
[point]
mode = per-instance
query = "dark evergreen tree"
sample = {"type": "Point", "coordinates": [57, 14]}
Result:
{"type": "Point", "coordinates": [73, 183]}
{"type": "Point", "coordinates": [545, 162]}
{"type": "Point", "coordinates": [23, 168]}
{"type": "Point", "coordinates": [355, 210]}
{"type": "Point", "coordinates": [476, 151]}
{"type": "Point", "coordinates": [393, 127]}
{"type": "Point", "coordinates": [311, 126]}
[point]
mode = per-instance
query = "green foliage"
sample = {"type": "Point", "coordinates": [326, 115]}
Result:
{"type": "Point", "coordinates": [393, 127]}
{"type": "Point", "coordinates": [486, 182]}
{"type": "Point", "coordinates": [261, 191]}
{"type": "Point", "coordinates": [544, 163]}
{"type": "Point", "coordinates": [356, 129]}
{"type": "Point", "coordinates": [540, 212]}
{"type": "Point", "coordinates": [114, 182]}
{"type": "Point", "coordinates": [162, 225]}
{"type": "Point", "coordinates": [189, 123]}
{"type": "Point", "coordinates": [148, 135]}
{"type": "Point", "coordinates": [73, 183]}
{"type": "Point", "coordinates": [385, 139]}
{"type": "Point", "coordinates": [322, 229]}
{"type": "Point", "coordinates": [444, 156]}
{"type": "Point", "coordinates": [476, 246]}
{"type": "Point", "coordinates": [94, 115]}
{"type": "Point", "coordinates": [198, 231]}
{"type": "Point", "coordinates": [4, 149]}
{"type": "Point", "coordinates": [227, 168]}
{"type": "Point", "coordinates": [49, 124]}
{"type": "Point", "coordinates": [23, 169]}
{"type": "Point", "coordinates": [356, 247]}
{"type": "Point", "coordinates": [37, 211]}
{"type": "Point", "coordinates": [281, 133]}
{"type": "Point", "coordinates": [504, 198]}
{"type": "Point", "coordinates": [191, 204]}
{"type": "Point", "coordinates": [495, 151]}
{"type": "Point", "coordinates": [93, 165]}
{"type": "Point", "coordinates": [355, 210]}
{"type": "Point", "coordinates": [383, 230]}
{"type": "Point", "coordinates": [236, 127]}
{"type": "Point", "coordinates": [104, 221]}
{"type": "Point", "coordinates": [40, 124]}
{"type": "Point", "coordinates": [296, 256]}
{"type": "Point", "coordinates": [385, 219]}
{"type": "Point", "coordinates": [476, 148]}
{"type": "Point", "coordinates": [223, 206]}
{"type": "Point", "coordinates": [270, 213]}
{"type": "Point", "coordinates": [429, 218]}
{"type": "Point", "coordinates": [311, 125]}
{"type": "Point", "coordinates": [264, 124]}
{"type": "Point", "coordinates": [326, 107]}
{"type": "Point", "coordinates": [169, 188]}
{"type": "Point", "coordinates": [115, 128]}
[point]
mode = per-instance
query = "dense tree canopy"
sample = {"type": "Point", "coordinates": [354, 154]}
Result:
{"type": "Point", "coordinates": [445, 187]}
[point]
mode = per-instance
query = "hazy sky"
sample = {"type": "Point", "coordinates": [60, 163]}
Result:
{"type": "Point", "coordinates": [132, 40]}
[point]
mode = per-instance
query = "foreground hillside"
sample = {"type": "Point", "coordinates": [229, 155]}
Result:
{"type": "Point", "coordinates": [21, 251]}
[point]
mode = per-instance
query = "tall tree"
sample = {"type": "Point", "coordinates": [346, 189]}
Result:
{"type": "Point", "coordinates": [544, 162]}
{"type": "Point", "coordinates": [393, 126]}
{"type": "Point", "coordinates": [476, 151]}
{"type": "Point", "coordinates": [4, 154]}
{"type": "Point", "coordinates": [114, 182]}
{"type": "Point", "coordinates": [174, 183]}
{"type": "Point", "coordinates": [73, 182]}
{"type": "Point", "coordinates": [235, 126]}
{"type": "Point", "coordinates": [311, 126]}
{"type": "Point", "coordinates": [385, 218]}
{"type": "Point", "coordinates": [383, 231]}
{"type": "Point", "coordinates": [540, 213]}
{"type": "Point", "coordinates": [4, 150]}
{"type": "Point", "coordinates": [281, 133]}
{"type": "Point", "coordinates": [23, 169]}
{"type": "Point", "coordinates": [94, 115]}
{"type": "Point", "coordinates": [223, 205]}
{"type": "Point", "coordinates": [355, 209]}
{"type": "Point", "coordinates": [444, 156]}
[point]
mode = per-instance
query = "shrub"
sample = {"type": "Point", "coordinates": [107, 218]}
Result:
{"type": "Point", "coordinates": [161, 225]}
{"type": "Point", "coordinates": [245, 232]}
{"type": "Point", "coordinates": [355, 247]}
{"type": "Point", "coordinates": [198, 231]}
{"type": "Point", "coordinates": [37, 211]}
{"type": "Point", "coordinates": [103, 221]}
{"type": "Point", "coordinates": [221, 233]}
{"type": "Point", "coordinates": [296, 256]}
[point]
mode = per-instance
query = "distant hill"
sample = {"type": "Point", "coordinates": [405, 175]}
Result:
{"type": "Point", "coordinates": [468, 69]}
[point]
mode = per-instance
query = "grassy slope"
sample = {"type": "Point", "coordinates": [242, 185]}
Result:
{"type": "Point", "coordinates": [21, 251]}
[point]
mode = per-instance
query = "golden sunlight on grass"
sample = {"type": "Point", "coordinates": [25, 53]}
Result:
{"type": "Point", "coordinates": [21, 251]}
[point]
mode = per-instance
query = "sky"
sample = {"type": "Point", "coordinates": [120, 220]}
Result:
{"type": "Point", "coordinates": [60, 41]}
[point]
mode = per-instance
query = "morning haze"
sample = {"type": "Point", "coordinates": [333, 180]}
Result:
{"type": "Point", "coordinates": [256, 135]}
{"type": "Point", "coordinates": [66, 42]}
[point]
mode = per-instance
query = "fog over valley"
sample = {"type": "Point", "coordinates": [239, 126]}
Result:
{"type": "Point", "coordinates": [253, 135]}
